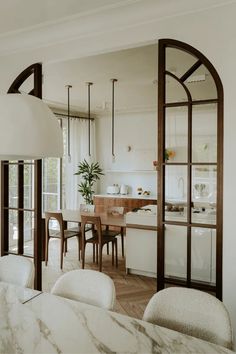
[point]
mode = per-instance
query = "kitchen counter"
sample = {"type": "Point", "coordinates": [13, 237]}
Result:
{"type": "Point", "coordinates": [103, 202]}
{"type": "Point", "coordinates": [127, 196]}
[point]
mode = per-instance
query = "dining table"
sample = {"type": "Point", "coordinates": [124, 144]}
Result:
{"type": "Point", "coordinates": [107, 219]}
{"type": "Point", "coordinates": [36, 322]}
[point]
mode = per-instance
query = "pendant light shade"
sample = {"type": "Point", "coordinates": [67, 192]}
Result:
{"type": "Point", "coordinates": [113, 118]}
{"type": "Point", "coordinates": [29, 129]}
{"type": "Point", "coordinates": [89, 84]}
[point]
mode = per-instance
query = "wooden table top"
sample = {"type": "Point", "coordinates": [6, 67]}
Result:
{"type": "Point", "coordinates": [106, 219]}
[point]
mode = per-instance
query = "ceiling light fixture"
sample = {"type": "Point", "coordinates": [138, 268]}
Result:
{"type": "Point", "coordinates": [113, 118]}
{"type": "Point", "coordinates": [30, 129]}
{"type": "Point", "coordinates": [89, 84]}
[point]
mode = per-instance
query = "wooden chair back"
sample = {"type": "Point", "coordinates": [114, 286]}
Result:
{"type": "Point", "coordinates": [95, 221]}
{"type": "Point", "coordinates": [114, 210]}
{"type": "Point", "coordinates": [87, 208]}
{"type": "Point", "coordinates": [56, 216]}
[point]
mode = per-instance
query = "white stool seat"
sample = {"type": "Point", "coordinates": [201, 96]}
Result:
{"type": "Point", "coordinates": [18, 270]}
{"type": "Point", "coordinates": [88, 286]}
{"type": "Point", "coordinates": [192, 312]}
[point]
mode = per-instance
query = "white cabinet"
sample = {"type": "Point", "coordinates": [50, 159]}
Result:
{"type": "Point", "coordinates": [141, 252]}
{"type": "Point", "coordinates": [176, 251]}
{"type": "Point", "coordinates": [141, 241]}
{"type": "Point", "coordinates": [203, 253]}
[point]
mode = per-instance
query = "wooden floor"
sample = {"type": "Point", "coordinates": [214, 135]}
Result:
{"type": "Point", "coordinates": [132, 291]}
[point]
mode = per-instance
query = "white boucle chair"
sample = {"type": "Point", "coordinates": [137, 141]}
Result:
{"type": "Point", "coordinates": [88, 286]}
{"type": "Point", "coordinates": [192, 312]}
{"type": "Point", "coordinates": [17, 270]}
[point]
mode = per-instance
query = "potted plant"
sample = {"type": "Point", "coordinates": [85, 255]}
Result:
{"type": "Point", "coordinates": [90, 173]}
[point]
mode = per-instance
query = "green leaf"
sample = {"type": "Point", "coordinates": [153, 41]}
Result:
{"type": "Point", "coordinates": [90, 173]}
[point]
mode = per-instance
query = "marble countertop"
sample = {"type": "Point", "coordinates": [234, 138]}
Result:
{"type": "Point", "coordinates": [17, 292]}
{"type": "Point", "coordinates": [50, 324]}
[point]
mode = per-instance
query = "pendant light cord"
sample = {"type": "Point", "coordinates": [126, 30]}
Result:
{"type": "Point", "coordinates": [89, 84]}
{"type": "Point", "coordinates": [68, 121]}
{"type": "Point", "coordinates": [113, 118]}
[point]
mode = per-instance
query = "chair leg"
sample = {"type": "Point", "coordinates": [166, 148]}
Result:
{"type": "Point", "coordinates": [116, 253]}
{"type": "Point", "coordinates": [96, 253]}
{"type": "Point", "coordinates": [100, 258]}
{"type": "Point", "coordinates": [62, 249]}
{"type": "Point", "coordinates": [46, 251]}
{"type": "Point", "coordinates": [79, 247]}
{"type": "Point", "coordinates": [107, 248]}
{"type": "Point", "coordinates": [122, 242]}
{"type": "Point", "coordinates": [93, 252]}
{"type": "Point", "coordinates": [65, 247]}
{"type": "Point", "coordinates": [112, 244]}
{"type": "Point", "coordinates": [83, 255]}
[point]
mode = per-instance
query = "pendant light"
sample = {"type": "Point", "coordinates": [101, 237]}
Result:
{"type": "Point", "coordinates": [113, 118]}
{"type": "Point", "coordinates": [89, 84]}
{"type": "Point", "coordinates": [68, 122]}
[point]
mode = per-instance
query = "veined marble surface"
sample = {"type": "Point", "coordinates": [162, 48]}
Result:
{"type": "Point", "coordinates": [14, 292]}
{"type": "Point", "coordinates": [50, 324]}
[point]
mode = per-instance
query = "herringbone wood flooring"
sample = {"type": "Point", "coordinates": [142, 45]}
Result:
{"type": "Point", "coordinates": [132, 291]}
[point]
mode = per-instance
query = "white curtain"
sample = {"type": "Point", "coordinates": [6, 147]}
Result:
{"type": "Point", "coordinates": [78, 152]}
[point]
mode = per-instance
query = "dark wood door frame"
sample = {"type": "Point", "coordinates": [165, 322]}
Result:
{"type": "Point", "coordinates": [162, 105]}
{"type": "Point", "coordinates": [36, 71]}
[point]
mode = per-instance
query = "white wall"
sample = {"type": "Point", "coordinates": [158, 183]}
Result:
{"type": "Point", "coordinates": [137, 131]}
{"type": "Point", "coordinates": [213, 32]}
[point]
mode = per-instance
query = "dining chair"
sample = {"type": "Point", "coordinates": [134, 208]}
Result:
{"type": "Point", "coordinates": [61, 234]}
{"type": "Point", "coordinates": [17, 270]}
{"type": "Point", "coordinates": [84, 208]}
{"type": "Point", "coordinates": [191, 312]}
{"type": "Point", "coordinates": [87, 208]}
{"type": "Point", "coordinates": [99, 239]}
{"type": "Point", "coordinates": [116, 211]}
{"type": "Point", "coordinates": [87, 286]}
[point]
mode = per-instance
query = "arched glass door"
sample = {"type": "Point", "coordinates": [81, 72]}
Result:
{"type": "Point", "coordinates": [190, 169]}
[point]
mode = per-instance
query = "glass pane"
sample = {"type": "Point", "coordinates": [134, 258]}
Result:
{"type": "Point", "coordinates": [28, 186]}
{"type": "Point", "coordinates": [204, 133]}
{"type": "Point", "coordinates": [201, 84]}
{"type": "Point", "coordinates": [203, 259]}
{"type": "Point", "coordinates": [204, 192]}
{"type": "Point", "coordinates": [178, 62]}
{"type": "Point", "coordinates": [176, 251]}
{"type": "Point", "coordinates": [28, 232]}
{"type": "Point", "coordinates": [176, 193]}
{"type": "Point", "coordinates": [176, 139]}
{"type": "Point", "coordinates": [13, 186]}
{"type": "Point", "coordinates": [51, 184]}
{"type": "Point", "coordinates": [13, 231]}
{"type": "Point", "coordinates": [174, 91]}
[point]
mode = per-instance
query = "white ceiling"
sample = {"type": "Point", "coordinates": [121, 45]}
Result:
{"type": "Point", "coordinates": [136, 72]}
{"type": "Point", "coordinates": [31, 24]}
{"type": "Point", "coordinates": [135, 69]}
{"type": "Point", "coordinates": [21, 14]}
{"type": "Point", "coordinates": [40, 25]}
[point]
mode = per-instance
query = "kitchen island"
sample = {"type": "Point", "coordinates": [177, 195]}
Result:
{"type": "Point", "coordinates": [141, 245]}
